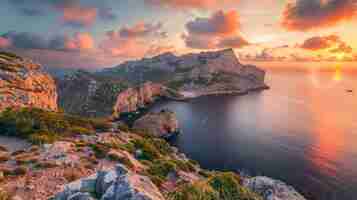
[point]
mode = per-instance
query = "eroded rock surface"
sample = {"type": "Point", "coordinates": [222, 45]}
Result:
{"type": "Point", "coordinates": [24, 84]}
{"type": "Point", "coordinates": [133, 98]}
{"type": "Point", "coordinates": [271, 189]}
{"type": "Point", "coordinates": [159, 124]}
{"type": "Point", "coordinates": [115, 184]}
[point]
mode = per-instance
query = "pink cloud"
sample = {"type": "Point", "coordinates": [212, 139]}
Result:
{"type": "Point", "coordinates": [80, 41]}
{"type": "Point", "coordinates": [200, 4]}
{"type": "Point", "coordinates": [305, 15]}
{"type": "Point", "coordinates": [79, 15]}
{"type": "Point", "coordinates": [4, 42]}
{"type": "Point", "coordinates": [140, 29]}
{"type": "Point", "coordinates": [220, 30]}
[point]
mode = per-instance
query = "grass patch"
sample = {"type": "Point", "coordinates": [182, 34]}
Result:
{"type": "Point", "coordinates": [41, 126]}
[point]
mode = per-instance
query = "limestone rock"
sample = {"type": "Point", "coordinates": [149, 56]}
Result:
{"type": "Point", "coordinates": [159, 124]}
{"type": "Point", "coordinates": [133, 98]}
{"type": "Point", "coordinates": [116, 184]}
{"type": "Point", "coordinates": [271, 189]}
{"type": "Point", "coordinates": [24, 84]}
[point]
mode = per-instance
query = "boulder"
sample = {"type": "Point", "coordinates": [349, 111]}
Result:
{"type": "Point", "coordinates": [159, 124]}
{"type": "Point", "coordinates": [116, 184]}
{"type": "Point", "coordinates": [271, 189]}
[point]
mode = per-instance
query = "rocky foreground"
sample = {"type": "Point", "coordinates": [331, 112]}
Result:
{"type": "Point", "coordinates": [123, 165]}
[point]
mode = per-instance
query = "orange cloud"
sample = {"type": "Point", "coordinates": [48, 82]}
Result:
{"type": "Point", "coordinates": [135, 41]}
{"type": "Point", "coordinates": [304, 15]}
{"type": "Point", "coordinates": [80, 41]}
{"type": "Point", "coordinates": [140, 29]}
{"type": "Point", "coordinates": [200, 4]}
{"type": "Point", "coordinates": [221, 30]}
{"type": "Point", "coordinates": [79, 16]}
{"type": "Point", "coordinates": [320, 42]}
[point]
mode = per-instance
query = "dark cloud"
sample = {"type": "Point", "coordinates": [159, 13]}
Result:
{"type": "Point", "coordinates": [25, 40]}
{"type": "Point", "coordinates": [221, 30]}
{"type": "Point", "coordinates": [303, 15]}
{"type": "Point", "coordinates": [220, 23]}
{"type": "Point", "coordinates": [332, 42]}
{"type": "Point", "coordinates": [74, 13]}
{"type": "Point", "coordinates": [107, 14]}
{"type": "Point", "coordinates": [31, 41]}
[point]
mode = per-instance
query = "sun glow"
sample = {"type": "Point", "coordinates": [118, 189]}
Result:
{"type": "Point", "coordinates": [338, 74]}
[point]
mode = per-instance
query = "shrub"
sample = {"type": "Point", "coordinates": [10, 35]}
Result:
{"type": "Point", "coordinates": [161, 168]}
{"type": "Point", "coordinates": [123, 127]}
{"type": "Point", "coordinates": [43, 137]}
{"type": "Point", "coordinates": [4, 195]}
{"type": "Point", "coordinates": [196, 191]}
{"type": "Point", "coordinates": [149, 151]}
{"type": "Point", "coordinates": [228, 186]}
{"type": "Point", "coordinates": [44, 126]}
{"type": "Point", "coordinates": [100, 150]}
{"type": "Point", "coordinates": [81, 130]}
{"type": "Point", "coordinates": [184, 166]}
{"type": "Point", "coordinates": [19, 171]}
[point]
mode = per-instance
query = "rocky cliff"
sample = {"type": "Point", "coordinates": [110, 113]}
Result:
{"type": "Point", "coordinates": [133, 98]}
{"type": "Point", "coordinates": [158, 124]}
{"type": "Point", "coordinates": [86, 94]}
{"type": "Point", "coordinates": [24, 84]}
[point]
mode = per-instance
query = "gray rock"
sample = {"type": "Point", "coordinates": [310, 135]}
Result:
{"type": "Point", "coordinates": [81, 196]}
{"type": "Point", "coordinates": [271, 189]}
{"type": "Point", "coordinates": [106, 179]}
{"type": "Point", "coordinates": [85, 185]}
{"type": "Point", "coordinates": [116, 184]}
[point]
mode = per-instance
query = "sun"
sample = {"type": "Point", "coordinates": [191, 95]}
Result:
{"type": "Point", "coordinates": [340, 56]}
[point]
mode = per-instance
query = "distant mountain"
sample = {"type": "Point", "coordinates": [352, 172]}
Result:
{"type": "Point", "coordinates": [189, 76]}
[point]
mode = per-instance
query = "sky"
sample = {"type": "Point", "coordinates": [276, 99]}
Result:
{"type": "Point", "coordinates": [93, 34]}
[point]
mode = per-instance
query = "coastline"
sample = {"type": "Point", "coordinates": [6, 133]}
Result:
{"type": "Point", "coordinates": [188, 95]}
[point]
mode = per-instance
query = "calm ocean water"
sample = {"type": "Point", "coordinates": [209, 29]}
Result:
{"type": "Point", "coordinates": [302, 131]}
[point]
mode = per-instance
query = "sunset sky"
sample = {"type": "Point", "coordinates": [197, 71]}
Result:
{"type": "Point", "coordinates": [102, 33]}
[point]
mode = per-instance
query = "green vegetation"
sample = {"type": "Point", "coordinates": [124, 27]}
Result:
{"type": "Point", "coordinates": [41, 126]}
{"type": "Point", "coordinates": [152, 148]}
{"type": "Point", "coordinates": [221, 186]}
{"type": "Point", "coordinates": [9, 55]}
{"type": "Point", "coordinates": [4, 195]}
{"type": "Point", "coordinates": [196, 191]}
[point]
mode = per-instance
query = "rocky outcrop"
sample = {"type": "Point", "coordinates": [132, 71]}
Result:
{"type": "Point", "coordinates": [83, 93]}
{"type": "Point", "coordinates": [24, 84]}
{"type": "Point", "coordinates": [159, 124]}
{"type": "Point", "coordinates": [271, 189]}
{"type": "Point", "coordinates": [133, 98]}
{"type": "Point", "coordinates": [112, 185]}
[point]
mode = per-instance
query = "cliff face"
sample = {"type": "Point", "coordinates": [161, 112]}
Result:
{"type": "Point", "coordinates": [159, 124]}
{"type": "Point", "coordinates": [86, 94]}
{"type": "Point", "coordinates": [24, 84]}
{"type": "Point", "coordinates": [133, 98]}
